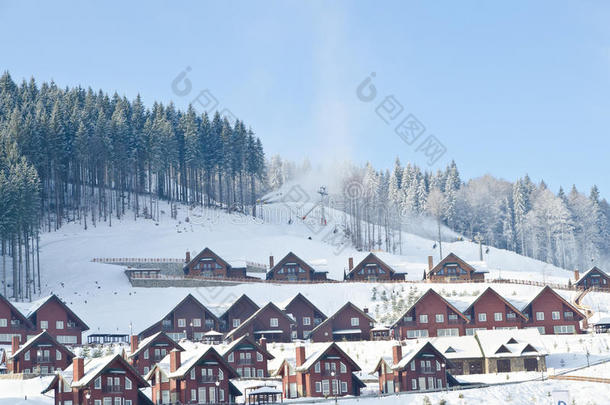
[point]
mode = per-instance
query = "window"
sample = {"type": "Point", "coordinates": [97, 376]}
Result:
{"type": "Point", "coordinates": [236, 323]}
{"type": "Point", "coordinates": [568, 315]}
{"type": "Point", "coordinates": [117, 400]}
{"type": "Point", "coordinates": [355, 321]}
{"type": "Point", "coordinates": [67, 340]}
{"type": "Point", "coordinates": [197, 322]}
{"type": "Point", "coordinates": [423, 318]}
{"type": "Point", "coordinates": [181, 323]}
{"type": "Point", "coordinates": [231, 357]}
{"type": "Point", "coordinates": [413, 366]}
{"type": "Point", "coordinates": [221, 375]}
{"type": "Point", "coordinates": [439, 383]}
{"type": "Point", "coordinates": [127, 383]}
{"type": "Point", "coordinates": [438, 366]}
{"type": "Point", "coordinates": [57, 355]}
{"type": "Point", "coordinates": [343, 386]}
{"type": "Point", "coordinates": [414, 334]}
{"type": "Point", "coordinates": [563, 329]}
{"type": "Point", "coordinates": [540, 316]}
{"type": "Point", "coordinates": [97, 402]}
{"type": "Point", "coordinates": [318, 386]}
{"type": "Point", "coordinates": [273, 322]}
{"type": "Point", "coordinates": [471, 331]}
{"type": "Point", "coordinates": [343, 368]}
{"type": "Point", "coordinates": [259, 356]}
{"type": "Point", "coordinates": [498, 316]}
{"type": "Point", "coordinates": [325, 387]}
{"type": "Point", "coordinates": [128, 402]}
{"type": "Point", "coordinates": [98, 383]}
{"type": "Point", "coordinates": [413, 384]}
{"type": "Point", "coordinates": [221, 395]}
{"type": "Point", "coordinates": [440, 318]}
{"type": "Point", "coordinates": [107, 401]}
{"type": "Point", "coordinates": [146, 354]}
{"type": "Point", "coordinates": [555, 315]}
{"type": "Point", "coordinates": [27, 356]}
{"type": "Point", "coordinates": [482, 317]}
{"type": "Point", "coordinates": [306, 321]}
{"type": "Point", "coordinates": [146, 370]}
{"type": "Point", "coordinates": [448, 332]}
{"type": "Point", "coordinates": [44, 324]}
{"type": "Point", "coordinates": [317, 367]}
{"type": "Point", "coordinates": [260, 373]}
{"type": "Point", "coordinates": [59, 324]}
{"type": "Point", "coordinates": [511, 315]}
{"type": "Point", "coordinates": [452, 317]}
{"type": "Point", "coordinates": [3, 322]}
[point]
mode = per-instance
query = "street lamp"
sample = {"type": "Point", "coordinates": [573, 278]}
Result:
{"type": "Point", "coordinates": [336, 387]}
{"type": "Point", "coordinates": [444, 368]}
{"type": "Point", "coordinates": [88, 396]}
{"type": "Point", "coordinates": [541, 368]}
{"type": "Point", "coordinates": [217, 383]}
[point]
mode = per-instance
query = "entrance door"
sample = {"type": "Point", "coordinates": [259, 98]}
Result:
{"type": "Point", "coordinates": [504, 366]}
{"type": "Point", "coordinates": [293, 390]}
{"type": "Point", "coordinates": [201, 395]}
{"type": "Point", "coordinates": [389, 386]}
{"type": "Point", "coordinates": [530, 364]}
{"type": "Point", "coordinates": [422, 383]}
{"type": "Point", "coordinates": [475, 367]}
{"type": "Point", "coordinates": [212, 391]}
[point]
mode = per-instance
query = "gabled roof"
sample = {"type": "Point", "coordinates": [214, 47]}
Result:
{"type": "Point", "coordinates": [189, 359]}
{"type": "Point", "coordinates": [208, 251]}
{"type": "Point", "coordinates": [292, 257]}
{"type": "Point", "coordinates": [194, 300]}
{"type": "Point", "coordinates": [255, 315]}
{"type": "Point", "coordinates": [93, 368]}
{"type": "Point", "coordinates": [414, 351]}
{"type": "Point", "coordinates": [249, 340]}
{"type": "Point", "coordinates": [301, 297]}
{"type": "Point", "coordinates": [41, 303]}
{"type": "Point", "coordinates": [344, 307]}
{"type": "Point", "coordinates": [593, 269]}
{"type": "Point", "coordinates": [510, 343]}
{"type": "Point", "coordinates": [146, 342]}
{"type": "Point", "coordinates": [313, 358]}
{"type": "Point", "coordinates": [547, 288]}
{"type": "Point", "coordinates": [430, 291]}
{"type": "Point", "coordinates": [43, 335]}
{"type": "Point", "coordinates": [242, 297]}
{"type": "Point", "coordinates": [458, 347]}
{"type": "Point", "coordinates": [490, 290]}
{"type": "Point", "coordinates": [16, 311]}
{"type": "Point", "coordinates": [453, 258]}
{"type": "Point", "coordinates": [371, 257]}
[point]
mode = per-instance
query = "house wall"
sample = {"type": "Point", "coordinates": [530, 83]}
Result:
{"type": "Point", "coordinates": [342, 321]}
{"type": "Point", "coordinates": [53, 312]}
{"type": "Point", "coordinates": [311, 377]}
{"type": "Point", "coordinates": [364, 272]}
{"type": "Point", "coordinates": [241, 310]}
{"type": "Point", "coordinates": [432, 370]}
{"type": "Point", "coordinates": [188, 311]}
{"type": "Point", "coordinates": [17, 327]}
{"type": "Point", "coordinates": [183, 387]}
{"type": "Point", "coordinates": [263, 323]}
{"type": "Point", "coordinates": [430, 305]}
{"type": "Point", "coordinates": [490, 304]}
{"type": "Point", "coordinates": [245, 361]}
{"type": "Point", "coordinates": [594, 279]}
{"type": "Point", "coordinates": [299, 310]}
{"type": "Point", "coordinates": [516, 363]}
{"type": "Point", "coordinates": [547, 302]}
{"type": "Point", "coordinates": [199, 266]}
{"type": "Point", "coordinates": [47, 363]}
{"type": "Point", "coordinates": [155, 351]}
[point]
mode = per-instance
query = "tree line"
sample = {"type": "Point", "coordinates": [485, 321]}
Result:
{"type": "Point", "coordinates": [94, 157]}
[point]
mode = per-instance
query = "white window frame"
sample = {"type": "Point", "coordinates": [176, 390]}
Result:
{"type": "Point", "coordinates": [44, 324]}
{"type": "Point", "coordinates": [498, 316]}
{"type": "Point", "coordinates": [182, 323]}
{"type": "Point", "coordinates": [355, 321]}
{"type": "Point", "coordinates": [440, 318]}
{"type": "Point", "coordinates": [306, 321]}
{"type": "Point", "coordinates": [59, 324]}
{"type": "Point", "coordinates": [482, 317]}
{"type": "Point", "coordinates": [273, 322]}
{"type": "Point", "coordinates": [423, 318]}
{"type": "Point", "coordinates": [540, 316]}
{"type": "Point", "coordinates": [556, 315]}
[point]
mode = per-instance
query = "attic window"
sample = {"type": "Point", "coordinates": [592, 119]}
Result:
{"type": "Point", "coordinates": [511, 341]}
{"type": "Point", "coordinates": [503, 349]}
{"type": "Point", "coordinates": [450, 350]}
{"type": "Point", "coordinates": [528, 349]}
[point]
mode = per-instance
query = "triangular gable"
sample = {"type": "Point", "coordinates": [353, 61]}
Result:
{"type": "Point", "coordinates": [88, 377]}
{"type": "Point", "coordinates": [490, 290]}
{"type": "Point", "coordinates": [430, 291]}
{"type": "Point", "coordinates": [339, 311]}
{"type": "Point", "coordinates": [371, 258]}
{"type": "Point", "coordinates": [511, 341]}
{"type": "Point", "coordinates": [378, 365]}
{"type": "Point", "coordinates": [593, 269]}
{"type": "Point", "coordinates": [255, 315]}
{"type": "Point", "coordinates": [502, 349]}
{"type": "Point", "coordinates": [547, 288]}
{"type": "Point", "coordinates": [151, 340]}
{"type": "Point", "coordinates": [14, 310]}
{"type": "Point", "coordinates": [427, 347]}
{"type": "Point", "coordinates": [247, 339]}
{"type": "Point", "coordinates": [210, 351]}
{"type": "Point", "coordinates": [294, 258]}
{"type": "Point", "coordinates": [302, 298]}
{"type": "Point", "coordinates": [208, 252]}
{"type": "Point", "coordinates": [55, 298]}
{"type": "Point", "coordinates": [316, 356]}
{"type": "Point", "coordinates": [450, 350]}
{"type": "Point", "coordinates": [529, 349]}
{"type": "Point", "coordinates": [451, 258]}
{"type": "Point", "coordinates": [42, 336]}
{"type": "Point", "coordinates": [241, 298]}
{"type": "Point", "coordinates": [188, 298]}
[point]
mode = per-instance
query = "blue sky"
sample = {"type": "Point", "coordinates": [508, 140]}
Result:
{"type": "Point", "coordinates": [513, 88]}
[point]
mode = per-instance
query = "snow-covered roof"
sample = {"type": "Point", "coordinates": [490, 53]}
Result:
{"type": "Point", "coordinates": [145, 342]}
{"type": "Point", "coordinates": [409, 354]}
{"type": "Point", "coordinates": [461, 347]}
{"type": "Point", "coordinates": [510, 342]}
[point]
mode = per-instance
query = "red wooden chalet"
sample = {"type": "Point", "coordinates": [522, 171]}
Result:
{"type": "Point", "coordinates": [348, 323]}
{"type": "Point", "coordinates": [99, 381]}
{"type": "Point", "coordinates": [422, 367]}
{"type": "Point", "coordinates": [237, 313]}
{"type": "Point", "coordinates": [199, 375]}
{"type": "Point", "coordinates": [491, 311]}
{"type": "Point", "coordinates": [248, 357]}
{"type": "Point", "coordinates": [327, 372]}
{"type": "Point", "coordinates": [305, 315]}
{"type": "Point", "coordinates": [593, 278]}
{"type": "Point", "coordinates": [452, 269]}
{"type": "Point", "coordinates": [372, 268]}
{"type": "Point", "coordinates": [54, 316]}
{"type": "Point", "coordinates": [269, 322]}
{"type": "Point", "coordinates": [12, 322]}
{"type": "Point", "coordinates": [189, 319]}
{"type": "Point", "coordinates": [552, 314]}
{"type": "Point", "coordinates": [145, 354]}
{"type": "Point", "coordinates": [430, 316]}
{"type": "Point", "coordinates": [293, 268]}
{"type": "Point", "coordinates": [209, 264]}
{"type": "Point", "coordinates": [41, 355]}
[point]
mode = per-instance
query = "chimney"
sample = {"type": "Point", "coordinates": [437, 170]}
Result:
{"type": "Point", "coordinates": [14, 344]}
{"type": "Point", "coordinates": [78, 368]}
{"type": "Point", "coordinates": [365, 310]}
{"type": "Point", "coordinates": [263, 343]}
{"type": "Point", "coordinates": [174, 360]}
{"type": "Point", "coordinates": [188, 257]}
{"type": "Point", "coordinates": [430, 263]}
{"type": "Point", "coordinates": [396, 353]}
{"type": "Point", "coordinates": [350, 263]}
{"type": "Point", "coordinates": [134, 343]}
{"type": "Point", "coordinates": [300, 352]}
{"type": "Point", "coordinates": [576, 275]}
{"type": "Point", "coordinates": [271, 264]}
